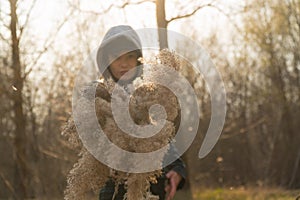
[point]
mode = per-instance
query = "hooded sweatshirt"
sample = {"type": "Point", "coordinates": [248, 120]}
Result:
{"type": "Point", "coordinates": [118, 39]}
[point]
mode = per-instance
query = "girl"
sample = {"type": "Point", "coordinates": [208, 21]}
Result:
{"type": "Point", "coordinates": [118, 58]}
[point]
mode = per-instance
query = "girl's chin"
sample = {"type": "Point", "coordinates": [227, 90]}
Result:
{"type": "Point", "coordinates": [125, 78]}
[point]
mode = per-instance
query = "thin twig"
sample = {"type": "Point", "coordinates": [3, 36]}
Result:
{"type": "Point", "coordinates": [189, 14]}
{"type": "Point", "coordinates": [8, 185]}
{"type": "Point", "coordinates": [27, 18]}
{"type": "Point", "coordinates": [106, 10]}
{"type": "Point", "coordinates": [48, 43]}
{"type": "Point", "coordinates": [4, 39]}
{"type": "Point", "coordinates": [52, 154]}
{"type": "Point", "coordinates": [244, 130]}
{"type": "Point", "coordinates": [228, 16]}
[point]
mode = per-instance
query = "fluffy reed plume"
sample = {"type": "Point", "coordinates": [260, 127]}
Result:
{"type": "Point", "coordinates": [90, 174]}
{"type": "Point", "coordinates": [86, 175]}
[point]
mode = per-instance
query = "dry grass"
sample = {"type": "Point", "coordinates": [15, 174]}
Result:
{"type": "Point", "coordinates": [239, 194]}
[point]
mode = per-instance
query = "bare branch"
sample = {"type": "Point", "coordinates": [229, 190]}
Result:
{"type": "Point", "coordinates": [76, 7]}
{"type": "Point", "coordinates": [202, 6]}
{"type": "Point", "coordinates": [6, 26]}
{"type": "Point", "coordinates": [106, 10]}
{"type": "Point", "coordinates": [27, 18]}
{"type": "Point", "coordinates": [242, 130]}
{"type": "Point", "coordinates": [53, 154]}
{"type": "Point", "coordinates": [6, 40]}
{"type": "Point", "coordinates": [228, 16]}
{"type": "Point", "coordinates": [189, 14]}
{"type": "Point", "coordinates": [7, 14]}
{"type": "Point", "coordinates": [8, 185]}
{"type": "Point", "coordinates": [48, 43]}
{"type": "Point", "coordinates": [135, 3]}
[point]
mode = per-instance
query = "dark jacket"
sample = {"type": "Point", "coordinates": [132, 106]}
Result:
{"type": "Point", "coordinates": [116, 40]}
{"type": "Point", "coordinates": [107, 192]}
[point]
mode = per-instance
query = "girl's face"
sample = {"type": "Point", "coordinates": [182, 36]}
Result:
{"type": "Point", "coordinates": [121, 66]}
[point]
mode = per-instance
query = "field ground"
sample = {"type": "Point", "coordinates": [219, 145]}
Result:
{"type": "Point", "coordinates": [239, 194]}
{"type": "Point", "coordinates": [219, 194]}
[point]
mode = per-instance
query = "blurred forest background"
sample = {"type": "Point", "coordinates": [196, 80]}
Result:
{"type": "Point", "coordinates": [254, 44]}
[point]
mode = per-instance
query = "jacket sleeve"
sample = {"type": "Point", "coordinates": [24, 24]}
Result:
{"type": "Point", "coordinates": [177, 165]}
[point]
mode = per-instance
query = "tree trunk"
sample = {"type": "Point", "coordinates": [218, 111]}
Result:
{"type": "Point", "coordinates": [282, 161]}
{"type": "Point", "coordinates": [21, 176]}
{"type": "Point", "coordinates": [161, 24]}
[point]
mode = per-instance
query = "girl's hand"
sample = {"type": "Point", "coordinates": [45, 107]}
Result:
{"type": "Point", "coordinates": [174, 180]}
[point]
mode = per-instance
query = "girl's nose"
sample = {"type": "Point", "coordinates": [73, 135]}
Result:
{"type": "Point", "coordinates": [123, 62]}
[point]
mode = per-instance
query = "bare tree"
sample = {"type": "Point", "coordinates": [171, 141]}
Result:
{"type": "Point", "coordinates": [20, 141]}
{"type": "Point", "coordinates": [162, 21]}
{"type": "Point", "coordinates": [19, 120]}
{"type": "Point", "coordinates": [271, 33]}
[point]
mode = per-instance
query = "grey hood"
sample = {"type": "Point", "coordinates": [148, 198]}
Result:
{"type": "Point", "coordinates": [118, 39]}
